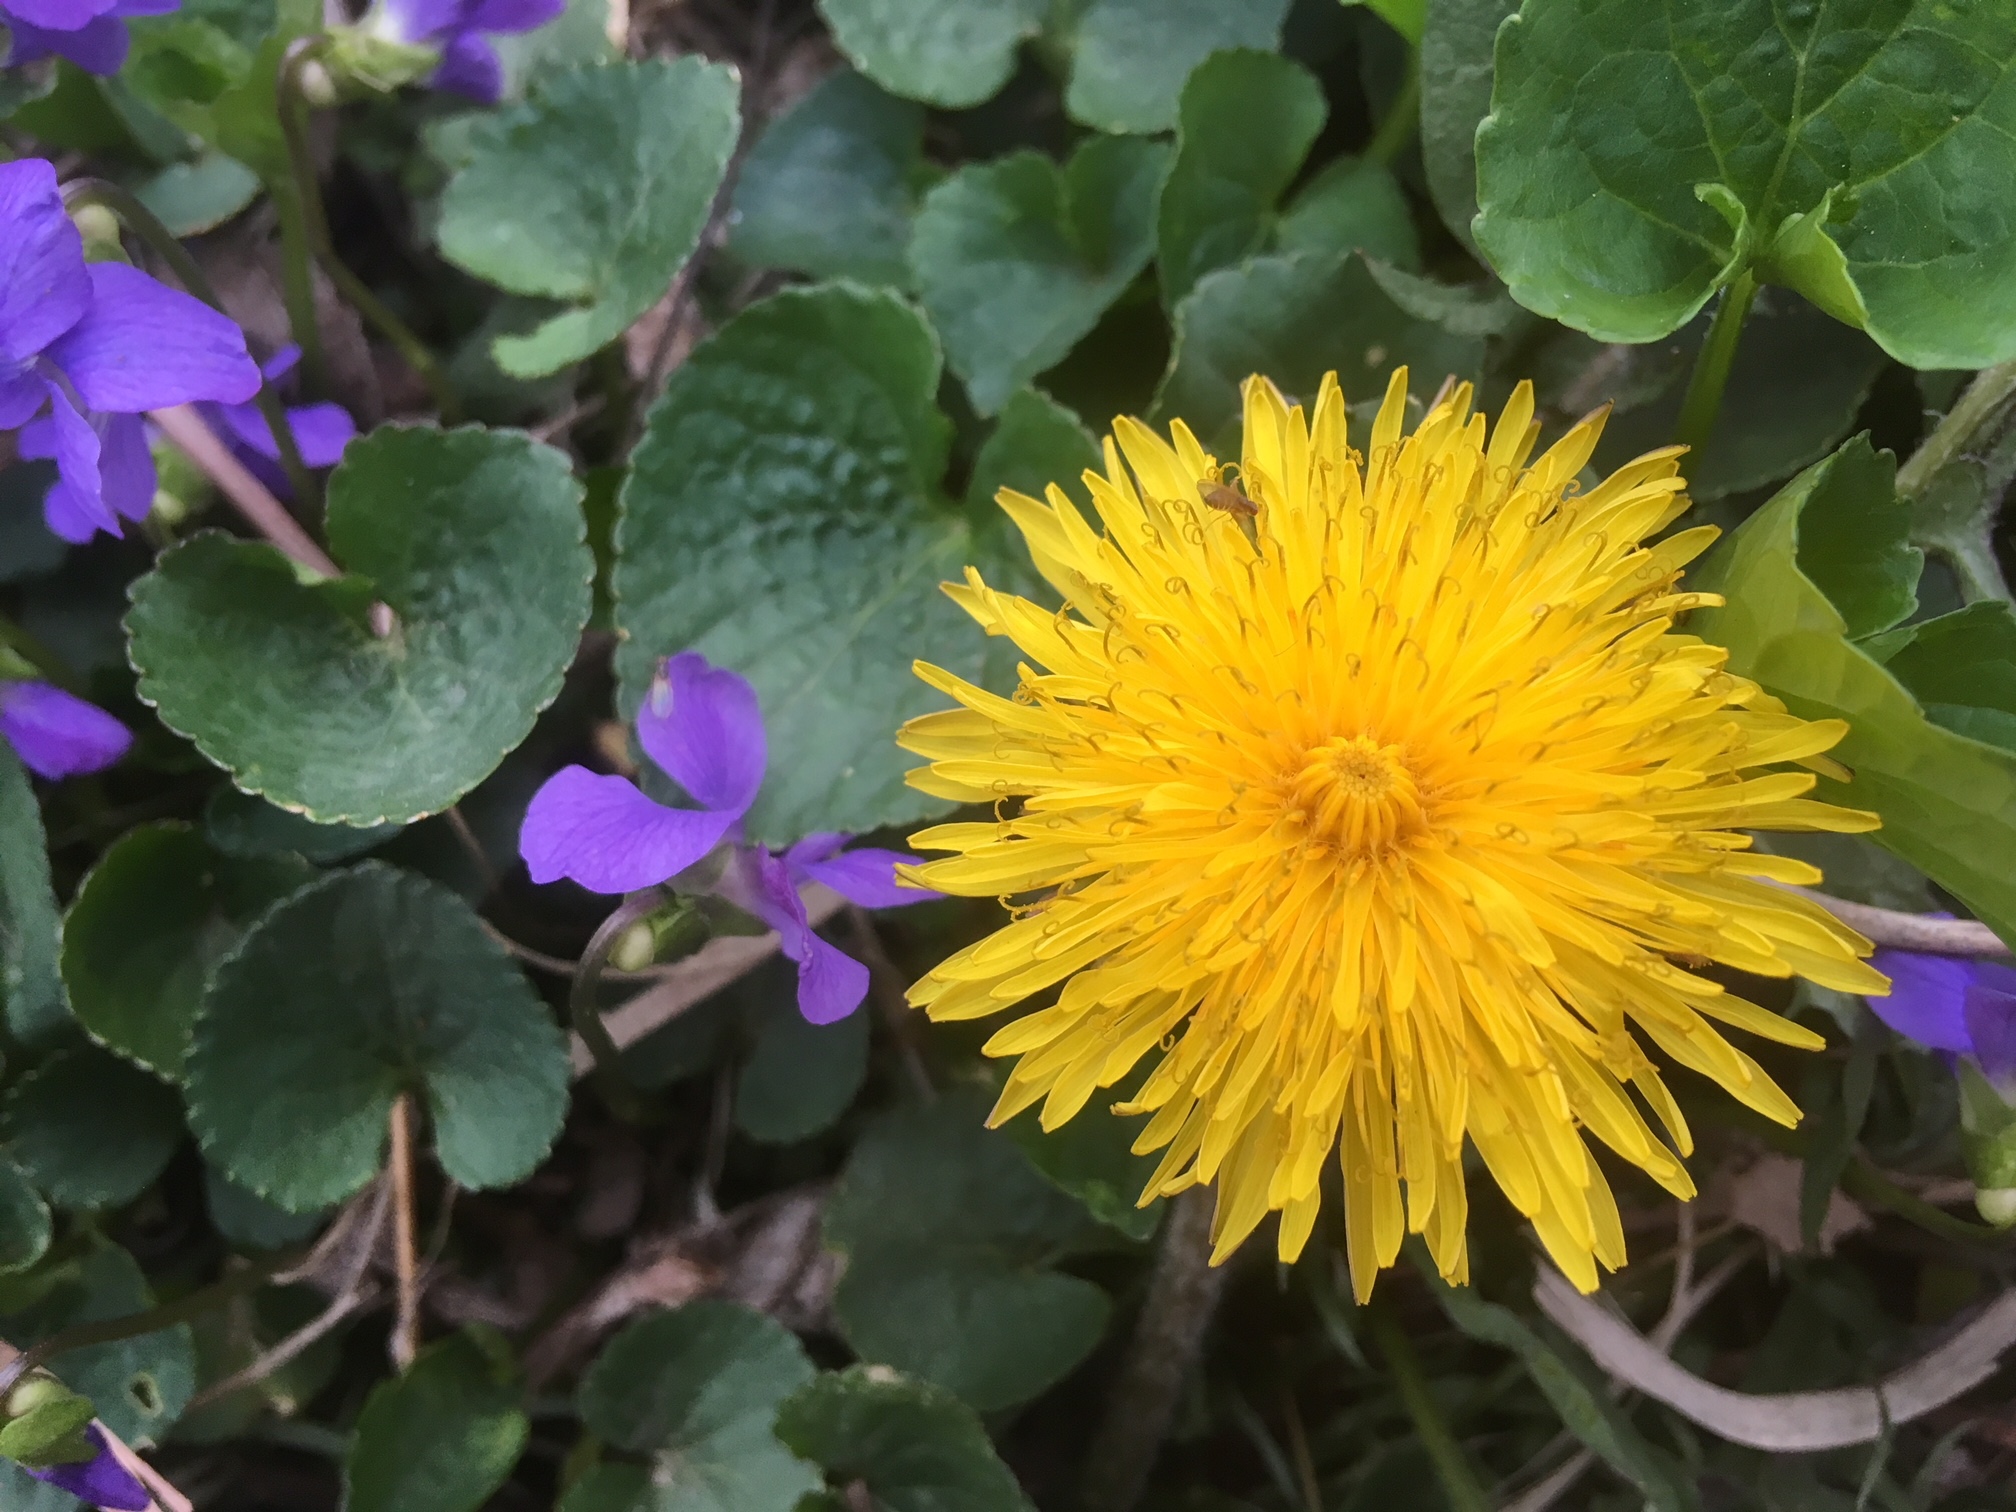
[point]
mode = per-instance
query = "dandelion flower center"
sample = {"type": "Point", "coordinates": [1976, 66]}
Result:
{"type": "Point", "coordinates": [1381, 808]}
{"type": "Point", "coordinates": [1355, 798]}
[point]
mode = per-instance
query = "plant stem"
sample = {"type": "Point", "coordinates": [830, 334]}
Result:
{"type": "Point", "coordinates": [1183, 1295]}
{"type": "Point", "coordinates": [1712, 365]}
{"type": "Point", "coordinates": [587, 1013]}
{"type": "Point", "coordinates": [1964, 442]}
{"type": "Point", "coordinates": [1452, 1466]}
{"type": "Point", "coordinates": [315, 225]}
{"type": "Point", "coordinates": [1402, 118]}
{"type": "Point", "coordinates": [234, 480]}
{"type": "Point", "coordinates": [31, 650]}
{"type": "Point", "coordinates": [405, 1341]}
{"type": "Point", "coordinates": [297, 282]}
{"type": "Point", "coordinates": [145, 224]}
{"type": "Point", "coordinates": [136, 1325]}
{"type": "Point", "coordinates": [1862, 1179]}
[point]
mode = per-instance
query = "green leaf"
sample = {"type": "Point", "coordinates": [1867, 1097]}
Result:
{"type": "Point", "coordinates": [954, 54]}
{"type": "Point", "coordinates": [1132, 56]}
{"type": "Point", "coordinates": [25, 1227]}
{"type": "Point", "coordinates": [192, 198]}
{"type": "Point", "coordinates": [1797, 383]}
{"type": "Point", "coordinates": [30, 983]}
{"type": "Point", "coordinates": [782, 516]}
{"type": "Point", "coordinates": [440, 1438]}
{"type": "Point", "coordinates": [146, 925]}
{"type": "Point", "coordinates": [51, 1432]}
{"type": "Point", "coordinates": [696, 1389]}
{"type": "Point", "coordinates": [593, 192]}
{"type": "Point", "coordinates": [1016, 260]}
{"type": "Point", "coordinates": [800, 1077]}
{"type": "Point", "coordinates": [475, 540]}
{"type": "Point", "coordinates": [247, 1219]}
{"type": "Point", "coordinates": [1245, 123]}
{"type": "Point", "coordinates": [391, 985]}
{"type": "Point", "coordinates": [1295, 318]}
{"type": "Point", "coordinates": [1092, 1157]}
{"type": "Point", "coordinates": [948, 1235]}
{"type": "Point", "coordinates": [1948, 802]}
{"type": "Point", "coordinates": [1456, 42]}
{"type": "Point", "coordinates": [1962, 668]}
{"type": "Point", "coordinates": [139, 1385]}
{"type": "Point", "coordinates": [1036, 442]}
{"type": "Point", "coordinates": [1353, 205]}
{"type": "Point", "coordinates": [90, 1130]}
{"type": "Point", "coordinates": [917, 1448]}
{"type": "Point", "coordinates": [830, 187]}
{"type": "Point", "coordinates": [1406, 17]}
{"type": "Point", "coordinates": [1585, 1412]}
{"type": "Point", "coordinates": [1626, 172]}
{"type": "Point", "coordinates": [239, 824]}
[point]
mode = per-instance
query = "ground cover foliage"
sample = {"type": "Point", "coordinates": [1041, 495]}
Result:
{"type": "Point", "coordinates": [718, 331]}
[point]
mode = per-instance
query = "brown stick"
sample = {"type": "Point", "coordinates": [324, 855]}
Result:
{"type": "Point", "coordinates": [701, 975]}
{"type": "Point", "coordinates": [1182, 1297]}
{"type": "Point", "coordinates": [266, 514]}
{"type": "Point", "coordinates": [1909, 931]}
{"type": "Point", "coordinates": [405, 1342]}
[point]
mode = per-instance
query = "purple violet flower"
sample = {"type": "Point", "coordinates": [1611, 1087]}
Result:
{"type": "Point", "coordinates": [98, 345]}
{"type": "Point", "coordinates": [90, 33]}
{"type": "Point", "coordinates": [57, 734]}
{"type": "Point", "coordinates": [702, 727]}
{"type": "Point", "coordinates": [321, 431]}
{"type": "Point", "coordinates": [100, 1481]}
{"type": "Point", "coordinates": [1958, 1004]}
{"type": "Point", "coordinates": [469, 64]}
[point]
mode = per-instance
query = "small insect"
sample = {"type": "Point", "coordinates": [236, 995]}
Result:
{"type": "Point", "coordinates": [1224, 496]}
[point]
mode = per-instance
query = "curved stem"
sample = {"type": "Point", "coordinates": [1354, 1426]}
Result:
{"type": "Point", "coordinates": [315, 223]}
{"type": "Point", "coordinates": [1711, 367]}
{"type": "Point", "coordinates": [1402, 118]}
{"type": "Point", "coordinates": [1452, 1466]}
{"type": "Point", "coordinates": [146, 225]}
{"type": "Point", "coordinates": [587, 1013]}
{"type": "Point", "coordinates": [135, 1325]}
{"type": "Point", "coordinates": [1909, 931]}
{"type": "Point", "coordinates": [1182, 1298]}
{"type": "Point", "coordinates": [1862, 1179]}
{"type": "Point", "coordinates": [1963, 535]}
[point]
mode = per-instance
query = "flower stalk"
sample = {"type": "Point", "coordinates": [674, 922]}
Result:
{"type": "Point", "coordinates": [1713, 364]}
{"type": "Point", "coordinates": [1956, 480]}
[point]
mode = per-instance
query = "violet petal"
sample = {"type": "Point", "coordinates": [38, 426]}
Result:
{"type": "Point", "coordinates": [21, 397]}
{"type": "Point", "coordinates": [143, 345]}
{"type": "Point", "coordinates": [831, 983]}
{"type": "Point", "coordinates": [471, 68]}
{"type": "Point", "coordinates": [100, 1481]}
{"type": "Point", "coordinates": [868, 877]}
{"type": "Point", "coordinates": [58, 15]}
{"type": "Point", "coordinates": [1927, 1000]}
{"type": "Point", "coordinates": [57, 734]}
{"type": "Point", "coordinates": [126, 466]}
{"type": "Point", "coordinates": [75, 506]}
{"type": "Point", "coordinates": [98, 47]}
{"type": "Point", "coordinates": [702, 725]}
{"type": "Point", "coordinates": [816, 846]}
{"type": "Point", "coordinates": [44, 287]}
{"type": "Point", "coordinates": [606, 835]}
{"type": "Point", "coordinates": [512, 15]}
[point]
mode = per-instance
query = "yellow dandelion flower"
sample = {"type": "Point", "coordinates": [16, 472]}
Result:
{"type": "Point", "coordinates": [1376, 795]}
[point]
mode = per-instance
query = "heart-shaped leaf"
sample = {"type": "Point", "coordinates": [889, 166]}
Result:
{"type": "Point", "coordinates": [1295, 318]}
{"type": "Point", "coordinates": [948, 54]}
{"type": "Point", "coordinates": [1130, 57]}
{"type": "Point", "coordinates": [146, 925]}
{"type": "Point", "coordinates": [1825, 561]}
{"type": "Point", "coordinates": [947, 1230]}
{"type": "Point", "coordinates": [91, 1130]}
{"type": "Point", "coordinates": [915, 1447]}
{"type": "Point", "coordinates": [830, 187]}
{"type": "Point", "coordinates": [440, 1438]}
{"type": "Point", "coordinates": [782, 516]}
{"type": "Point", "coordinates": [475, 540]}
{"type": "Point", "coordinates": [1016, 260]}
{"type": "Point", "coordinates": [594, 192]}
{"type": "Point", "coordinates": [1247, 121]}
{"type": "Point", "coordinates": [31, 987]}
{"type": "Point", "coordinates": [697, 1390]}
{"type": "Point", "coordinates": [391, 986]}
{"type": "Point", "coordinates": [1863, 152]}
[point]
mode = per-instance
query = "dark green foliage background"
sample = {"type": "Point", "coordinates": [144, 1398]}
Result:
{"type": "Point", "coordinates": [743, 313]}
